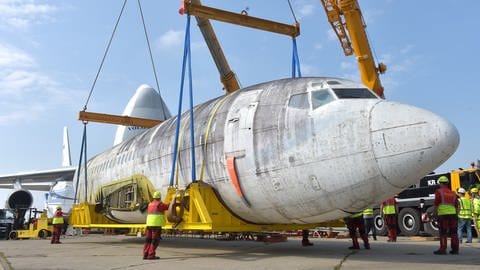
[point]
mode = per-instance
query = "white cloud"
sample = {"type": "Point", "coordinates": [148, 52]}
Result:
{"type": "Point", "coordinates": [170, 39]}
{"type": "Point", "coordinates": [405, 65]}
{"type": "Point", "coordinates": [318, 46]}
{"type": "Point", "coordinates": [306, 10]}
{"type": "Point", "coordinates": [20, 14]}
{"type": "Point", "coordinates": [308, 70]}
{"type": "Point", "coordinates": [407, 49]}
{"type": "Point", "coordinates": [199, 46]}
{"type": "Point", "coordinates": [13, 57]}
{"type": "Point", "coordinates": [371, 15]}
{"type": "Point", "coordinates": [346, 65]}
{"type": "Point", "coordinates": [26, 93]}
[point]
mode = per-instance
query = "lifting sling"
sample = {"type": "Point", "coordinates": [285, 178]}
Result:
{"type": "Point", "coordinates": [186, 58]}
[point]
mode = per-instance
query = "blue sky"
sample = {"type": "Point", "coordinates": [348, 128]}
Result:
{"type": "Point", "coordinates": [50, 52]}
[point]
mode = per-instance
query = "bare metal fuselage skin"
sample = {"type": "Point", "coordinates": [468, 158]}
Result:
{"type": "Point", "coordinates": [294, 165]}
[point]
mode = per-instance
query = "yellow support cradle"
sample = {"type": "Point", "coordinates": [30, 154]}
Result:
{"type": "Point", "coordinates": [202, 211]}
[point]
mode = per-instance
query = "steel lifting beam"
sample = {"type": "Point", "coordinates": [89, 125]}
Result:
{"type": "Point", "coordinates": [240, 19]}
{"type": "Point", "coordinates": [117, 119]}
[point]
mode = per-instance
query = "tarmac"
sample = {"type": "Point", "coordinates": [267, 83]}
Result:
{"type": "Point", "coordinates": [98, 251]}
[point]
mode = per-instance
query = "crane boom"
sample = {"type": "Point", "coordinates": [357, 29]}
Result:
{"type": "Point", "coordinates": [346, 19]}
{"type": "Point", "coordinates": [227, 76]}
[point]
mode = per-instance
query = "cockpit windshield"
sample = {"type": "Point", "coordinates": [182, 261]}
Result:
{"type": "Point", "coordinates": [320, 98]}
{"type": "Point", "coordinates": [343, 93]}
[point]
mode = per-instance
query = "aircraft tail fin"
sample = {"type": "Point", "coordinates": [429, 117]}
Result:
{"type": "Point", "coordinates": [66, 159]}
{"type": "Point", "coordinates": [145, 103]}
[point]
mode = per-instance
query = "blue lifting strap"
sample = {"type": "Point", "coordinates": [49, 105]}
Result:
{"type": "Point", "coordinates": [186, 58]}
{"type": "Point", "coordinates": [295, 61]}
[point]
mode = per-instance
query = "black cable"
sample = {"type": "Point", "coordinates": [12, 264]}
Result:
{"type": "Point", "coordinates": [151, 57]}
{"type": "Point", "coordinates": [104, 55]}
{"type": "Point", "coordinates": [291, 9]}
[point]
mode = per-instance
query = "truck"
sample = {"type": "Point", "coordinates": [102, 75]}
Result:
{"type": "Point", "coordinates": [6, 223]}
{"type": "Point", "coordinates": [415, 204]}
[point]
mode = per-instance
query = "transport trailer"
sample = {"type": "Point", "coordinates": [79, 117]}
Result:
{"type": "Point", "coordinates": [415, 204]}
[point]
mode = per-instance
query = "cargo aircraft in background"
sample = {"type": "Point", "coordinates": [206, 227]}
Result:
{"type": "Point", "coordinates": [58, 184]}
{"type": "Point", "coordinates": [289, 151]}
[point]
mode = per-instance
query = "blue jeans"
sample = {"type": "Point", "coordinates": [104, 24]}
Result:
{"type": "Point", "coordinates": [465, 223]}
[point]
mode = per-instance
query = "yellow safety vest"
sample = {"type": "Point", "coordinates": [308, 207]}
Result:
{"type": "Point", "coordinates": [359, 214]}
{"type": "Point", "coordinates": [155, 218]}
{"type": "Point", "coordinates": [465, 208]}
{"type": "Point", "coordinates": [389, 209]}
{"type": "Point", "coordinates": [446, 208]}
{"type": "Point", "coordinates": [476, 206]}
{"type": "Point", "coordinates": [368, 213]}
{"type": "Point", "coordinates": [57, 218]}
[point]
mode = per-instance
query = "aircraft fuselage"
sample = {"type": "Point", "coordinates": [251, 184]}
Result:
{"type": "Point", "coordinates": [305, 150]}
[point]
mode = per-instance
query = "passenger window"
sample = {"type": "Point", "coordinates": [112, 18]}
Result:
{"type": "Point", "coordinates": [320, 98]}
{"type": "Point", "coordinates": [299, 101]}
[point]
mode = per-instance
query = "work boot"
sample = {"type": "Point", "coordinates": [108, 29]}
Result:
{"type": "Point", "coordinates": [366, 245]}
{"type": "Point", "coordinates": [454, 252]}
{"type": "Point", "coordinates": [307, 243]}
{"type": "Point", "coordinates": [354, 247]}
{"type": "Point", "coordinates": [440, 252]}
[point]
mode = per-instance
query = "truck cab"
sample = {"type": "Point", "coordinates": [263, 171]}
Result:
{"type": "Point", "coordinates": [6, 222]}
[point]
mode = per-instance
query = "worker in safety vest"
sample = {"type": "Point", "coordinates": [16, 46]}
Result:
{"type": "Point", "coordinates": [389, 210]}
{"type": "Point", "coordinates": [464, 216]}
{"type": "Point", "coordinates": [354, 223]}
{"type": "Point", "coordinates": [155, 221]}
{"type": "Point", "coordinates": [369, 224]}
{"type": "Point", "coordinates": [446, 208]}
{"type": "Point", "coordinates": [476, 209]}
{"type": "Point", "coordinates": [57, 225]}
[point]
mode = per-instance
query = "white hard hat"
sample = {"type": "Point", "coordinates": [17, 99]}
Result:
{"type": "Point", "coordinates": [461, 190]}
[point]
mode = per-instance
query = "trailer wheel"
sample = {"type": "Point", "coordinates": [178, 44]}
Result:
{"type": "Point", "coordinates": [13, 235]}
{"type": "Point", "coordinates": [42, 234]}
{"type": "Point", "coordinates": [379, 223]}
{"type": "Point", "coordinates": [431, 227]}
{"type": "Point", "coordinates": [409, 221]}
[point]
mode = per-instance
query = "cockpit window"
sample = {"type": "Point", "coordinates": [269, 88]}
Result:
{"type": "Point", "coordinates": [353, 93]}
{"type": "Point", "coordinates": [320, 98]}
{"type": "Point", "coordinates": [299, 101]}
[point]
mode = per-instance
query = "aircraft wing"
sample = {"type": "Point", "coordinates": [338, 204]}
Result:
{"type": "Point", "coordinates": [37, 180]}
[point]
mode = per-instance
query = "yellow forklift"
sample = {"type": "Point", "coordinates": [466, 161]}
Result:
{"type": "Point", "coordinates": [36, 226]}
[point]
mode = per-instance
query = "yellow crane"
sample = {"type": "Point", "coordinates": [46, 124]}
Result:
{"type": "Point", "coordinates": [347, 21]}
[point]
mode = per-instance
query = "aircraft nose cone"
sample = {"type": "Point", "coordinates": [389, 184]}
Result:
{"type": "Point", "coordinates": [409, 142]}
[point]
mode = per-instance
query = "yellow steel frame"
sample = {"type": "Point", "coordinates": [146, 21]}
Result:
{"type": "Point", "coordinates": [117, 119]}
{"type": "Point", "coordinates": [204, 212]}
